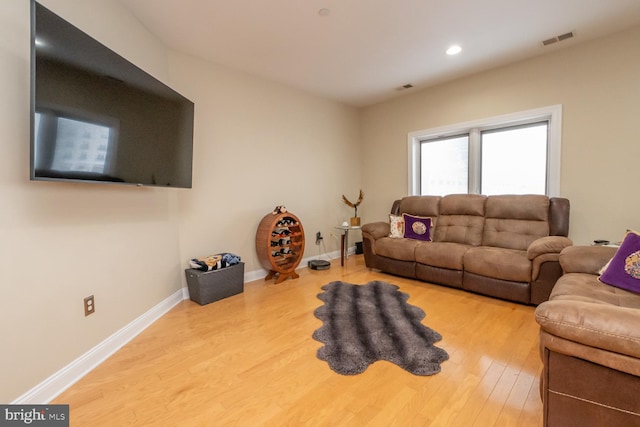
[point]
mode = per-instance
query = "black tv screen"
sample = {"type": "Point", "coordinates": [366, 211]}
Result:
{"type": "Point", "coordinates": [96, 117]}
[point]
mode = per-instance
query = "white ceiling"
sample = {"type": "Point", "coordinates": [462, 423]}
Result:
{"type": "Point", "coordinates": [364, 50]}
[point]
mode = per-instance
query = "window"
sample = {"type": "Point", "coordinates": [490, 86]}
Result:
{"type": "Point", "coordinates": [444, 165]}
{"type": "Point", "coordinates": [514, 160]}
{"type": "Point", "coordinates": [512, 154]}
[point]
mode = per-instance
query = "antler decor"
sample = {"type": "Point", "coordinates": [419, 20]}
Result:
{"type": "Point", "coordinates": [354, 205]}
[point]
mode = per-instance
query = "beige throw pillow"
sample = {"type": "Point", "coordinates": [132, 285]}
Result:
{"type": "Point", "coordinates": [396, 227]}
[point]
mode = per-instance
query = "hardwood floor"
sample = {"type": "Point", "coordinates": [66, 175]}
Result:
{"type": "Point", "coordinates": [249, 360]}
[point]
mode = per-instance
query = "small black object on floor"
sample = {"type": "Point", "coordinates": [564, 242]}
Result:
{"type": "Point", "coordinates": [319, 264]}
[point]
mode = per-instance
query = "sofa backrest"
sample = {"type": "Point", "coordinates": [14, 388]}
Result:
{"type": "Point", "coordinates": [506, 221]}
{"type": "Point", "coordinates": [460, 219]}
{"type": "Point", "coordinates": [513, 222]}
{"type": "Point", "coordinates": [559, 216]}
{"type": "Point", "coordinates": [420, 206]}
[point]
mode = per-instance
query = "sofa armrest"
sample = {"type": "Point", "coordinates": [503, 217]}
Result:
{"type": "Point", "coordinates": [547, 245]}
{"type": "Point", "coordinates": [585, 259]}
{"type": "Point", "coordinates": [376, 229]}
{"type": "Point", "coordinates": [595, 325]}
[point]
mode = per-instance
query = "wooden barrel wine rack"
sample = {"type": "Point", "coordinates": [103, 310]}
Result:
{"type": "Point", "coordinates": [280, 245]}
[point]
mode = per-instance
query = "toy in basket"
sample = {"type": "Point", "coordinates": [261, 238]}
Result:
{"type": "Point", "coordinates": [215, 277]}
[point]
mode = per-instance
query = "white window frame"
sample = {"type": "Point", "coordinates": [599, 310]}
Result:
{"type": "Point", "coordinates": [551, 113]}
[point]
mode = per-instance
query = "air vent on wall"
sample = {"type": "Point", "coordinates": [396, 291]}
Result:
{"type": "Point", "coordinates": [556, 39]}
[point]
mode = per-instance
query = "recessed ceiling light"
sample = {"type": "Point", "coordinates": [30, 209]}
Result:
{"type": "Point", "coordinates": [454, 50]}
{"type": "Point", "coordinates": [324, 12]}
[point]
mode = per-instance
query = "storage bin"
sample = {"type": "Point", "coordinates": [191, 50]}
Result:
{"type": "Point", "coordinates": [210, 286]}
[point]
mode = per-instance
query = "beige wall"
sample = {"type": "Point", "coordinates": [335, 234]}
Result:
{"type": "Point", "coordinates": [61, 242]}
{"type": "Point", "coordinates": [257, 145]}
{"type": "Point", "coordinates": [598, 85]}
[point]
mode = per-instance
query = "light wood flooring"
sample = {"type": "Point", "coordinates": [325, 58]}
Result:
{"type": "Point", "coordinates": [249, 360]}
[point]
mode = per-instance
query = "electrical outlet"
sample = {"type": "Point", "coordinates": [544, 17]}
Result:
{"type": "Point", "coordinates": [318, 237]}
{"type": "Point", "coordinates": [89, 305]}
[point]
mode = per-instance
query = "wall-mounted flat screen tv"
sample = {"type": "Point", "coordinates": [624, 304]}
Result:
{"type": "Point", "coordinates": [96, 117]}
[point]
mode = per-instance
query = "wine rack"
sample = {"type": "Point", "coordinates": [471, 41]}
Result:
{"type": "Point", "coordinates": [280, 245]}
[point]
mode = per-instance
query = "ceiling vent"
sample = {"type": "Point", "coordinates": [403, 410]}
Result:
{"type": "Point", "coordinates": [407, 86]}
{"type": "Point", "coordinates": [556, 39]}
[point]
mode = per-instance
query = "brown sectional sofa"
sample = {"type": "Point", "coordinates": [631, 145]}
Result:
{"type": "Point", "coordinates": [504, 246]}
{"type": "Point", "coordinates": [590, 346]}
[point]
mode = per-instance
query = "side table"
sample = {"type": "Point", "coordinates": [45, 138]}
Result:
{"type": "Point", "coordinates": [344, 240]}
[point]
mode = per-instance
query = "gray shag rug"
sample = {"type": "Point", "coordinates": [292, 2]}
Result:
{"type": "Point", "coordinates": [366, 323]}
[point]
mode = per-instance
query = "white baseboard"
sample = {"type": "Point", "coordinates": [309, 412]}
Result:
{"type": "Point", "coordinates": [53, 386]}
{"type": "Point", "coordinates": [326, 256]}
{"type": "Point", "coordinates": [261, 274]}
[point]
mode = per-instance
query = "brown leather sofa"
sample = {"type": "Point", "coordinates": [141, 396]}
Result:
{"type": "Point", "coordinates": [504, 246]}
{"type": "Point", "coordinates": [590, 346]}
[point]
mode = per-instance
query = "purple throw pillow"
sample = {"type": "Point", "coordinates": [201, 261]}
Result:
{"type": "Point", "coordinates": [623, 270]}
{"type": "Point", "coordinates": [417, 227]}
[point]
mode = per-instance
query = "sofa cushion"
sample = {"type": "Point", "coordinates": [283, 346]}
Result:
{"type": "Point", "coordinates": [584, 310]}
{"type": "Point", "coordinates": [417, 227]}
{"type": "Point", "coordinates": [441, 254]}
{"type": "Point", "coordinates": [623, 271]}
{"type": "Point", "coordinates": [513, 222]}
{"type": "Point", "coordinates": [585, 287]}
{"type": "Point", "coordinates": [461, 219]}
{"type": "Point", "coordinates": [499, 263]}
{"type": "Point", "coordinates": [400, 249]}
